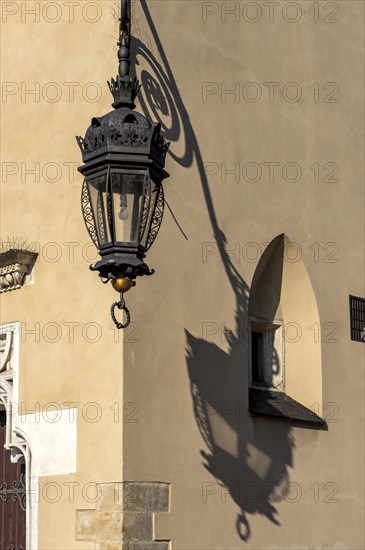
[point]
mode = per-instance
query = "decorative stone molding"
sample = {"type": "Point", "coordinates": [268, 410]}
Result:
{"type": "Point", "coordinates": [15, 266]}
{"type": "Point", "coordinates": [6, 346]}
{"type": "Point", "coordinates": [124, 516]}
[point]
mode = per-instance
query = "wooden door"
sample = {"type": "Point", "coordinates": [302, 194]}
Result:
{"type": "Point", "coordinates": [12, 497]}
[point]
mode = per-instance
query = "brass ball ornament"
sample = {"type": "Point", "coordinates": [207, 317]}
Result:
{"type": "Point", "coordinates": [122, 284]}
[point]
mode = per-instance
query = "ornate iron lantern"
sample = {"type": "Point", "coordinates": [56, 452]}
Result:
{"type": "Point", "coordinates": [122, 195]}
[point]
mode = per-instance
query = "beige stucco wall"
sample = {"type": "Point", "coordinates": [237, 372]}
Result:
{"type": "Point", "coordinates": [191, 289]}
{"type": "Point", "coordinates": [74, 355]}
{"type": "Point", "coordinates": [178, 341]}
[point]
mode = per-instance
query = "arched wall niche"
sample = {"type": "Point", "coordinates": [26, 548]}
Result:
{"type": "Point", "coordinates": [282, 295]}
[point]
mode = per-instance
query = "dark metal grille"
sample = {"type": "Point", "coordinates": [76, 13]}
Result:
{"type": "Point", "coordinates": [357, 318]}
{"type": "Point", "coordinates": [16, 491]}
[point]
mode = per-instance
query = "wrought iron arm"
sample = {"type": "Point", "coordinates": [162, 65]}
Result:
{"type": "Point", "coordinates": [124, 54]}
{"type": "Point", "coordinates": [125, 19]}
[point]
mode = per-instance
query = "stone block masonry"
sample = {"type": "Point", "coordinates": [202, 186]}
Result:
{"type": "Point", "coordinates": [123, 518]}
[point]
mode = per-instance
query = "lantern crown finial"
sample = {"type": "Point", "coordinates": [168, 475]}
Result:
{"type": "Point", "coordinates": [124, 90]}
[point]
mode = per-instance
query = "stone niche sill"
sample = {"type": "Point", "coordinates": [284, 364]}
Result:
{"type": "Point", "coordinates": [279, 405]}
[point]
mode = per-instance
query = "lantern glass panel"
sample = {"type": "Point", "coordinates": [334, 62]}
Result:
{"type": "Point", "coordinates": [128, 189]}
{"type": "Point", "coordinates": [97, 187]}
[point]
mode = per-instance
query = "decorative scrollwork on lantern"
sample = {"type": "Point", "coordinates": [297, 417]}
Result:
{"type": "Point", "coordinates": [157, 218]}
{"type": "Point", "coordinates": [101, 218]}
{"type": "Point", "coordinates": [160, 145]}
{"type": "Point", "coordinates": [88, 215]}
{"type": "Point", "coordinates": [146, 209]}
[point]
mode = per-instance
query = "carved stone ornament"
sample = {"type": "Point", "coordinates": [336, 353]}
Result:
{"type": "Point", "coordinates": [15, 266]}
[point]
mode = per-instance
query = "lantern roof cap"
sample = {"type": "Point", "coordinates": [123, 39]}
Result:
{"type": "Point", "coordinates": [123, 131]}
{"type": "Point", "coordinates": [117, 118]}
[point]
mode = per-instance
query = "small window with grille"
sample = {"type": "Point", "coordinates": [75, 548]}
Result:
{"type": "Point", "coordinates": [266, 354]}
{"type": "Point", "coordinates": [357, 318]}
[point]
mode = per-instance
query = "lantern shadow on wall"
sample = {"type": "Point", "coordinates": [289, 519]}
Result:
{"type": "Point", "coordinates": [263, 452]}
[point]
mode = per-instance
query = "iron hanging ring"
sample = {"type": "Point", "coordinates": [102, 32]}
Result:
{"type": "Point", "coordinates": [120, 305]}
